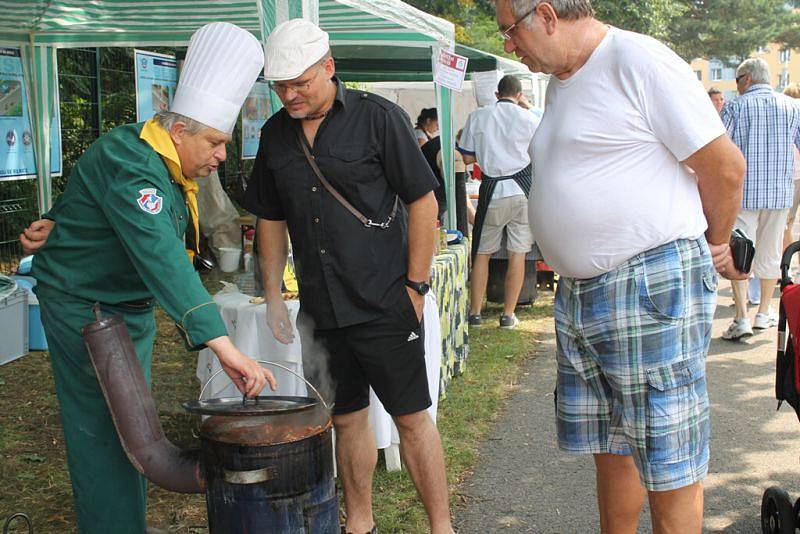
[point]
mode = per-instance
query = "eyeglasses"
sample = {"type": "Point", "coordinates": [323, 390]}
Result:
{"type": "Point", "coordinates": [506, 34]}
{"type": "Point", "coordinates": [297, 87]}
{"type": "Point", "coordinates": [740, 77]}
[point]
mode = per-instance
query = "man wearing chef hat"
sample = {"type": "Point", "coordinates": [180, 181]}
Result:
{"type": "Point", "coordinates": [118, 239]}
{"type": "Point", "coordinates": [338, 168]}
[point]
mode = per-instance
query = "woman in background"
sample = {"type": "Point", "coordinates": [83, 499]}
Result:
{"type": "Point", "coordinates": [427, 126]}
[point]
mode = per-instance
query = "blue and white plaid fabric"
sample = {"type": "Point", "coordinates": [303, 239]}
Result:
{"type": "Point", "coordinates": [632, 347]}
{"type": "Point", "coordinates": [764, 125]}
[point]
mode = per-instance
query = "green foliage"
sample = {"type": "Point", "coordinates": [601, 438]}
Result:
{"type": "Point", "coordinates": [651, 17]}
{"type": "Point", "coordinates": [473, 19]}
{"type": "Point", "coordinates": [732, 29]}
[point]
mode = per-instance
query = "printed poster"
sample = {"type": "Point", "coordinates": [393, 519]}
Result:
{"type": "Point", "coordinates": [450, 70]}
{"type": "Point", "coordinates": [17, 159]}
{"type": "Point", "coordinates": [255, 112]}
{"type": "Point", "coordinates": [485, 86]}
{"type": "Point", "coordinates": [156, 78]}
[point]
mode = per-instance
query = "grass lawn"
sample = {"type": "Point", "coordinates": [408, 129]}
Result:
{"type": "Point", "coordinates": [33, 466]}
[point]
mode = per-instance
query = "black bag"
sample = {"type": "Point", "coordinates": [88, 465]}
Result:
{"type": "Point", "coordinates": [743, 251]}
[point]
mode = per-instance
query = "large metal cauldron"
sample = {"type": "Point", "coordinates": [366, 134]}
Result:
{"type": "Point", "coordinates": [268, 464]}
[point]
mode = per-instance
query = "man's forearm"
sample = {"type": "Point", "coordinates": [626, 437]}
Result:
{"type": "Point", "coordinates": [273, 249]}
{"type": "Point", "coordinates": [421, 237]}
{"type": "Point", "coordinates": [720, 169]}
{"type": "Point", "coordinates": [721, 205]}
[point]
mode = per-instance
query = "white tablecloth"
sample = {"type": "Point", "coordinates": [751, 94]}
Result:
{"type": "Point", "coordinates": [247, 327]}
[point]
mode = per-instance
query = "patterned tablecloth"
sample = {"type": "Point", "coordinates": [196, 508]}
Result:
{"type": "Point", "coordinates": [449, 282]}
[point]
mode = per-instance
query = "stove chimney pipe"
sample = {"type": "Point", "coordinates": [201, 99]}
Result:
{"type": "Point", "coordinates": [133, 410]}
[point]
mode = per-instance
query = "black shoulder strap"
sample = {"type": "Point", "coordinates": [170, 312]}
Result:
{"type": "Point", "coordinates": [338, 196]}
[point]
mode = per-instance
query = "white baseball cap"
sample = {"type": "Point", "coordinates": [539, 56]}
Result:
{"type": "Point", "coordinates": [222, 63]}
{"type": "Point", "coordinates": [292, 48]}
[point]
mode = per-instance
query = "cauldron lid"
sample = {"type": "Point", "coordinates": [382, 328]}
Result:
{"type": "Point", "coordinates": [256, 406]}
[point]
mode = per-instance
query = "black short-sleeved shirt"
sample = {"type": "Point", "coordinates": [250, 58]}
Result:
{"type": "Point", "coordinates": [366, 149]}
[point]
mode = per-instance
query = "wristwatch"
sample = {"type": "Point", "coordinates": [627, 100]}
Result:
{"type": "Point", "coordinates": [420, 287]}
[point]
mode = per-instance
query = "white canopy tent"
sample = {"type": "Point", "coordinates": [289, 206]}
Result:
{"type": "Point", "coordinates": [39, 27]}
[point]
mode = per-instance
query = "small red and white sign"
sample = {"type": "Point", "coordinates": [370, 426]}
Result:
{"type": "Point", "coordinates": [149, 201]}
{"type": "Point", "coordinates": [451, 70]}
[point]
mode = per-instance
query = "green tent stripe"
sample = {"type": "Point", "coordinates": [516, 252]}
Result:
{"type": "Point", "coordinates": [84, 23]}
{"type": "Point", "coordinates": [395, 36]}
{"type": "Point", "coordinates": [444, 104]}
{"type": "Point", "coordinates": [39, 65]}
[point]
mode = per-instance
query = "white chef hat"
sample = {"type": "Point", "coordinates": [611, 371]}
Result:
{"type": "Point", "coordinates": [222, 64]}
{"type": "Point", "coordinates": [293, 47]}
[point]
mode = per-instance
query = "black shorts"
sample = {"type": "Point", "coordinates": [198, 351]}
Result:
{"type": "Point", "coordinates": [387, 354]}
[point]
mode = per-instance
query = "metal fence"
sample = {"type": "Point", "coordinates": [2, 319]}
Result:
{"type": "Point", "coordinates": [96, 88]}
{"type": "Point", "coordinates": [17, 209]}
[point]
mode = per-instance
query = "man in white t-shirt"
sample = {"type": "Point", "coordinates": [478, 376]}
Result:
{"type": "Point", "coordinates": [499, 138]}
{"type": "Point", "coordinates": [637, 188]}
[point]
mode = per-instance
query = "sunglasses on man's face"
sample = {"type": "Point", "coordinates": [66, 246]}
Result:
{"type": "Point", "coordinates": [740, 78]}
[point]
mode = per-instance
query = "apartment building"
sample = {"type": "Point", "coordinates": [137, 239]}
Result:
{"type": "Point", "coordinates": [784, 67]}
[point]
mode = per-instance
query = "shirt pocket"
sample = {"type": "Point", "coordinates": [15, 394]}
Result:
{"type": "Point", "coordinates": [290, 173]}
{"type": "Point", "coordinates": [353, 163]}
{"type": "Point", "coordinates": [677, 415]}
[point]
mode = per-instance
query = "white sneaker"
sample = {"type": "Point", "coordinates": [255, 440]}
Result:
{"type": "Point", "coordinates": [738, 329]}
{"type": "Point", "coordinates": [763, 321]}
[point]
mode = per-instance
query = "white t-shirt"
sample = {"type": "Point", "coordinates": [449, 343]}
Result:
{"type": "Point", "coordinates": [608, 182]}
{"type": "Point", "coordinates": [499, 137]}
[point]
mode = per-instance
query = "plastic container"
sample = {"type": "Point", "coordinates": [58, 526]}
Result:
{"type": "Point", "coordinates": [36, 338]}
{"type": "Point", "coordinates": [25, 265]}
{"type": "Point", "coordinates": [229, 259]}
{"type": "Point", "coordinates": [14, 326]}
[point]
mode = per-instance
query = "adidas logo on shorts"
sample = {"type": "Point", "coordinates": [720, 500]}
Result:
{"type": "Point", "coordinates": [412, 336]}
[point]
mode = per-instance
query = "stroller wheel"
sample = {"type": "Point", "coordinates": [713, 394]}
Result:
{"type": "Point", "coordinates": [777, 512]}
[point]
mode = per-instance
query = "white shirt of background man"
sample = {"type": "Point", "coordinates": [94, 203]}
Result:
{"type": "Point", "coordinates": [500, 137]}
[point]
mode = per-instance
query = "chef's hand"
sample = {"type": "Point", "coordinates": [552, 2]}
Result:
{"type": "Point", "coordinates": [418, 301]}
{"type": "Point", "coordinates": [723, 262]}
{"type": "Point", "coordinates": [248, 375]}
{"type": "Point", "coordinates": [35, 236]}
{"type": "Point", "coordinates": [278, 320]}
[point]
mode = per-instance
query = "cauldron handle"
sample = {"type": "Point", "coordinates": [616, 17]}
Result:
{"type": "Point", "coordinates": [19, 515]}
{"type": "Point", "coordinates": [309, 384]}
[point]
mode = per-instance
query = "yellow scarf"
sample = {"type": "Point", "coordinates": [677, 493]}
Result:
{"type": "Point", "coordinates": [158, 138]}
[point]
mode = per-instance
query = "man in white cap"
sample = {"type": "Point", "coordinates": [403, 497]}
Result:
{"type": "Point", "coordinates": [332, 168]}
{"type": "Point", "coordinates": [118, 239]}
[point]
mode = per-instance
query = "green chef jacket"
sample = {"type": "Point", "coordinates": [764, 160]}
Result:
{"type": "Point", "coordinates": [118, 236]}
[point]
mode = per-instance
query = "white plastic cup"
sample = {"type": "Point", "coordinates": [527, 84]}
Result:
{"type": "Point", "coordinates": [229, 259]}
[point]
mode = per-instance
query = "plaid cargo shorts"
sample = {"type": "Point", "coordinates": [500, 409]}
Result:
{"type": "Point", "coordinates": [632, 345]}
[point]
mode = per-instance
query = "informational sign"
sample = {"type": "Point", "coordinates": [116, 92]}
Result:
{"type": "Point", "coordinates": [485, 86]}
{"type": "Point", "coordinates": [156, 79]}
{"type": "Point", "coordinates": [16, 151]}
{"type": "Point", "coordinates": [450, 70]}
{"type": "Point", "coordinates": [255, 112]}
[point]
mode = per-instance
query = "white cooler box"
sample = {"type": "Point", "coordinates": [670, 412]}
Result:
{"type": "Point", "coordinates": [14, 326]}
